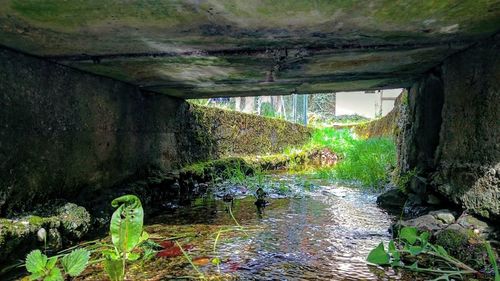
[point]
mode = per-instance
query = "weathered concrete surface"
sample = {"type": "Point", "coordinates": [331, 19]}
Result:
{"type": "Point", "coordinates": [63, 130]}
{"type": "Point", "coordinates": [468, 156]}
{"type": "Point", "coordinates": [226, 133]}
{"type": "Point", "coordinates": [450, 136]}
{"type": "Point", "coordinates": [249, 47]}
{"type": "Point", "coordinates": [65, 133]}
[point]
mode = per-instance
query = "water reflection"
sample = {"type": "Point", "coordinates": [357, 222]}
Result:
{"type": "Point", "coordinates": [324, 235]}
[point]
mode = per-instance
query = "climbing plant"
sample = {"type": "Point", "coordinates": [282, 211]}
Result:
{"type": "Point", "coordinates": [413, 251]}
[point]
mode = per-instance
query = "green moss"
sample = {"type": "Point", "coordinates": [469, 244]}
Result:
{"type": "Point", "coordinates": [463, 245]}
{"type": "Point", "coordinates": [68, 14]}
{"type": "Point", "coordinates": [451, 239]}
{"type": "Point", "coordinates": [228, 133]}
{"type": "Point", "coordinates": [36, 220]}
{"type": "Point", "coordinates": [233, 168]}
{"type": "Point", "coordinates": [444, 13]}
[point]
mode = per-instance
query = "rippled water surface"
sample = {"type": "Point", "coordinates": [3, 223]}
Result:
{"type": "Point", "coordinates": [324, 235]}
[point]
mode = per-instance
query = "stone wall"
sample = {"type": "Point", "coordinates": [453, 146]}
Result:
{"type": "Point", "coordinates": [450, 136]}
{"type": "Point", "coordinates": [226, 133]}
{"type": "Point", "coordinates": [64, 133]}
{"type": "Point", "coordinates": [468, 156]}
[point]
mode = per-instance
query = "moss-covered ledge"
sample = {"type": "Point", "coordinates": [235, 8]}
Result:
{"type": "Point", "coordinates": [228, 133]}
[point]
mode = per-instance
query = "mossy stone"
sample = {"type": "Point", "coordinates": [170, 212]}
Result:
{"type": "Point", "coordinates": [463, 245]}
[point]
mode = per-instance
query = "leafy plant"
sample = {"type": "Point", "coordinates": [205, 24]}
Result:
{"type": "Point", "coordinates": [366, 161]}
{"type": "Point", "coordinates": [415, 252]}
{"type": "Point", "coordinates": [493, 260]}
{"type": "Point", "coordinates": [43, 268]}
{"type": "Point", "coordinates": [126, 235]}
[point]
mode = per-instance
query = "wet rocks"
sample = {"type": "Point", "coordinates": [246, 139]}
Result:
{"type": "Point", "coordinates": [432, 222]}
{"type": "Point", "coordinates": [463, 237]}
{"type": "Point", "coordinates": [62, 226]}
{"type": "Point", "coordinates": [446, 216]}
{"type": "Point", "coordinates": [392, 199]}
{"type": "Point", "coordinates": [75, 221]}
{"type": "Point", "coordinates": [423, 223]}
{"type": "Point", "coordinates": [464, 244]}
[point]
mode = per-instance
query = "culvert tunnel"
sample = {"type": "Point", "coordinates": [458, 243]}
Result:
{"type": "Point", "coordinates": [93, 93]}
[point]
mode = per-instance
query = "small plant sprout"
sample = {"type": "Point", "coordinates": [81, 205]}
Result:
{"type": "Point", "coordinates": [47, 269]}
{"type": "Point", "coordinates": [413, 244]}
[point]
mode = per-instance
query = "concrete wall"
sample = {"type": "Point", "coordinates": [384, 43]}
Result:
{"type": "Point", "coordinates": [451, 132]}
{"type": "Point", "coordinates": [468, 156]}
{"type": "Point", "coordinates": [64, 132]}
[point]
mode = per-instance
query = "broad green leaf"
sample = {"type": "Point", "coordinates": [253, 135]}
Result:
{"type": "Point", "coordinates": [133, 256]}
{"type": "Point", "coordinates": [126, 223]}
{"type": "Point", "coordinates": [114, 269]}
{"type": "Point", "coordinates": [54, 275]}
{"type": "Point", "coordinates": [391, 247]}
{"type": "Point", "coordinates": [395, 263]}
{"type": "Point", "coordinates": [144, 237]}
{"type": "Point", "coordinates": [424, 237]}
{"type": "Point", "coordinates": [409, 234]}
{"type": "Point", "coordinates": [37, 276]}
{"type": "Point", "coordinates": [415, 250]}
{"type": "Point", "coordinates": [396, 256]}
{"type": "Point", "coordinates": [51, 263]}
{"type": "Point", "coordinates": [394, 252]}
{"type": "Point", "coordinates": [378, 255]}
{"type": "Point", "coordinates": [75, 262]}
{"type": "Point", "coordinates": [36, 261]}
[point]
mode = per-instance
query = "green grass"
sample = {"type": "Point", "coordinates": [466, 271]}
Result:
{"type": "Point", "coordinates": [367, 161]}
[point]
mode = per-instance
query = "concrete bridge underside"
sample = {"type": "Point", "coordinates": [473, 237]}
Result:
{"type": "Point", "coordinates": [209, 48]}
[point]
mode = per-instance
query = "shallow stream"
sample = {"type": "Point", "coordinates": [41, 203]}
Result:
{"type": "Point", "coordinates": [324, 234]}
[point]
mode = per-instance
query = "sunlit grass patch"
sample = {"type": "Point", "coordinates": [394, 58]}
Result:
{"type": "Point", "coordinates": [367, 161]}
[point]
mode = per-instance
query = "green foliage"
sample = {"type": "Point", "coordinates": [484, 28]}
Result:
{"type": "Point", "coordinates": [416, 253]}
{"type": "Point", "coordinates": [367, 161]}
{"type": "Point", "coordinates": [126, 235]}
{"type": "Point", "coordinates": [43, 268]}
{"type": "Point", "coordinates": [267, 109]}
{"type": "Point", "coordinates": [126, 223]}
{"type": "Point", "coordinates": [493, 260]}
{"type": "Point", "coordinates": [409, 234]}
{"type": "Point", "coordinates": [36, 261]}
{"type": "Point", "coordinates": [114, 268]}
{"type": "Point", "coordinates": [379, 255]}
{"type": "Point", "coordinates": [75, 262]}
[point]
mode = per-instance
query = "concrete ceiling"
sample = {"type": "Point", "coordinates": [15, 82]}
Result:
{"type": "Point", "coordinates": [207, 48]}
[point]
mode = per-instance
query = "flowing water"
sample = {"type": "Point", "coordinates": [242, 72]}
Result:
{"type": "Point", "coordinates": [325, 234]}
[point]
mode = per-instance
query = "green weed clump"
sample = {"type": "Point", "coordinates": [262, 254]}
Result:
{"type": "Point", "coordinates": [367, 161]}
